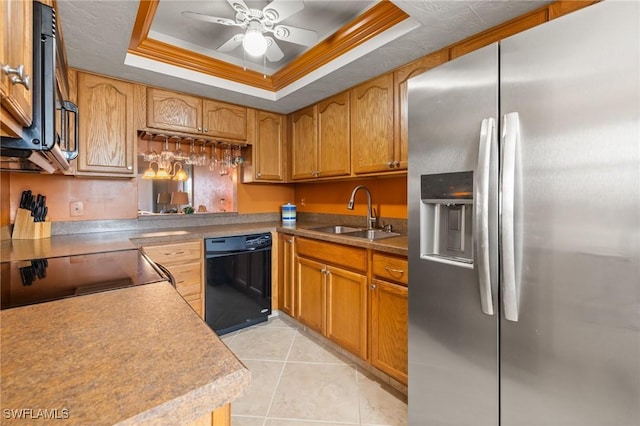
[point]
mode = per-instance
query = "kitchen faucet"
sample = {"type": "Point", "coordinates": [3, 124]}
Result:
{"type": "Point", "coordinates": [371, 218]}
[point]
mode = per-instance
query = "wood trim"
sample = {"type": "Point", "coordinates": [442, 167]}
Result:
{"type": "Point", "coordinates": [373, 22]}
{"type": "Point", "coordinates": [564, 7]}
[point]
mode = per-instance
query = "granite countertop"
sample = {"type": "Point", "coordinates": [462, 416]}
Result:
{"type": "Point", "coordinates": [138, 355]}
{"type": "Point", "coordinates": [65, 245]}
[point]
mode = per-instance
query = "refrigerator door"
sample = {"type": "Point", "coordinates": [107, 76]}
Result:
{"type": "Point", "coordinates": [572, 354]}
{"type": "Point", "coordinates": [453, 344]}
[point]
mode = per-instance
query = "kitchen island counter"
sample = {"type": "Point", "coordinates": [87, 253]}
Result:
{"type": "Point", "coordinates": [67, 245]}
{"type": "Point", "coordinates": [138, 355]}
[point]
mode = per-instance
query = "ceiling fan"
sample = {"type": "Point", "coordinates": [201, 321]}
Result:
{"type": "Point", "coordinates": [257, 22]}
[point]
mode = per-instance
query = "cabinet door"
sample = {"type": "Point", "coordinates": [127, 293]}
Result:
{"type": "Point", "coordinates": [304, 144]}
{"type": "Point", "coordinates": [334, 138]}
{"type": "Point", "coordinates": [225, 120]}
{"type": "Point", "coordinates": [400, 81]}
{"type": "Point", "coordinates": [389, 328]}
{"type": "Point", "coordinates": [16, 48]}
{"type": "Point", "coordinates": [310, 293]}
{"type": "Point", "coordinates": [107, 132]}
{"type": "Point", "coordinates": [286, 285]}
{"type": "Point", "coordinates": [269, 147]}
{"type": "Point", "coordinates": [372, 126]}
{"type": "Point", "coordinates": [173, 111]}
{"type": "Point", "coordinates": [347, 310]}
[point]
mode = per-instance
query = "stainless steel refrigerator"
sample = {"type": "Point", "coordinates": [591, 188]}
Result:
{"type": "Point", "coordinates": [524, 224]}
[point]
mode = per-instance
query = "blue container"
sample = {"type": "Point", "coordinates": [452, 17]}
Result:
{"type": "Point", "coordinates": [288, 214]}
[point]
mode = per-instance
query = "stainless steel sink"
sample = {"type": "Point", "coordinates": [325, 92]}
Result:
{"type": "Point", "coordinates": [335, 229]}
{"type": "Point", "coordinates": [371, 234]}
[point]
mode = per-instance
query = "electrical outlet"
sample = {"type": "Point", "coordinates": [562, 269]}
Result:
{"type": "Point", "coordinates": [76, 208]}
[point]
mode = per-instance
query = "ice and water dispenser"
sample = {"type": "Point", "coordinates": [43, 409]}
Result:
{"type": "Point", "coordinates": [446, 212]}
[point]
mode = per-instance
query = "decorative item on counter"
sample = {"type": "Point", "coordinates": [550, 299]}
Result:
{"type": "Point", "coordinates": [188, 210]}
{"type": "Point", "coordinates": [288, 214]}
{"type": "Point", "coordinates": [31, 218]}
{"type": "Point", "coordinates": [179, 198]}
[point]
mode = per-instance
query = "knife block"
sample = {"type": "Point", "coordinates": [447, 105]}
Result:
{"type": "Point", "coordinates": [25, 228]}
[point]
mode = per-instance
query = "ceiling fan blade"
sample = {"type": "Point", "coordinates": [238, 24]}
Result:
{"type": "Point", "coordinates": [239, 6]}
{"type": "Point", "coordinates": [273, 53]}
{"type": "Point", "coordinates": [278, 10]}
{"type": "Point", "coordinates": [208, 18]}
{"type": "Point", "coordinates": [295, 35]}
{"type": "Point", "coordinates": [231, 44]}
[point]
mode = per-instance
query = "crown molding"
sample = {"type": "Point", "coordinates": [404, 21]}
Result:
{"type": "Point", "coordinates": [365, 27]}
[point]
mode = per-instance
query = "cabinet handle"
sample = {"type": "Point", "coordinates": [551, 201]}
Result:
{"type": "Point", "coordinates": [206, 130]}
{"type": "Point", "coordinates": [392, 270]}
{"type": "Point", "coordinates": [259, 174]}
{"type": "Point", "coordinates": [174, 253]}
{"type": "Point", "coordinates": [396, 164]}
{"type": "Point", "coordinates": [199, 129]}
{"type": "Point", "coordinates": [372, 286]}
{"type": "Point", "coordinates": [18, 76]}
{"type": "Point", "coordinates": [129, 167]}
{"type": "Point", "coordinates": [288, 241]}
{"type": "Point", "coordinates": [390, 164]}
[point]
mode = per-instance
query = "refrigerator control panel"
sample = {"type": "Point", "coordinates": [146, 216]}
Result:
{"type": "Point", "coordinates": [446, 218]}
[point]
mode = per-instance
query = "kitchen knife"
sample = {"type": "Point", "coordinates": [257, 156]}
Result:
{"type": "Point", "coordinates": [23, 199]}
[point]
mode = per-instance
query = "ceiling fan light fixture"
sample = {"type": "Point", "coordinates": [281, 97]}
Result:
{"type": "Point", "coordinates": [254, 43]}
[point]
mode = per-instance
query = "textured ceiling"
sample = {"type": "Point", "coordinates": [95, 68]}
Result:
{"type": "Point", "coordinates": [97, 35]}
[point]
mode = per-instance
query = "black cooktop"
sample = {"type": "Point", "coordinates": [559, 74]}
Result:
{"type": "Point", "coordinates": [26, 282]}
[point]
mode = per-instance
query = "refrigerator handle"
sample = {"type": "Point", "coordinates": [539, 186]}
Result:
{"type": "Point", "coordinates": [481, 188]}
{"type": "Point", "coordinates": [510, 140]}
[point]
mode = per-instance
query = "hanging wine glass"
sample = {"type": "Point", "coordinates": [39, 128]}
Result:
{"type": "Point", "coordinates": [179, 154]}
{"type": "Point", "coordinates": [213, 161]}
{"type": "Point", "coordinates": [193, 157]}
{"type": "Point", "coordinates": [202, 156]}
{"type": "Point", "coordinates": [225, 162]}
{"type": "Point", "coordinates": [238, 159]}
{"type": "Point", "coordinates": [166, 156]}
{"type": "Point", "coordinates": [150, 154]}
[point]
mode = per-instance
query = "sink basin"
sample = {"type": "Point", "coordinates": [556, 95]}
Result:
{"type": "Point", "coordinates": [371, 234]}
{"type": "Point", "coordinates": [335, 229]}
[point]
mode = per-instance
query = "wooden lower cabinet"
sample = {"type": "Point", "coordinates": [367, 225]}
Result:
{"type": "Point", "coordinates": [184, 261]}
{"type": "Point", "coordinates": [310, 290]}
{"type": "Point", "coordinates": [286, 277]}
{"type": "Point", "coordinates": [332, 299]}
{"type": "Point", "coordinates": [389, 315]}
{"type": "Point", "coordinates": [357, 298]}
{"type": "Point", "coordinates": [346, 314]}
{"type": "Point", "coordinates": [388, 328]}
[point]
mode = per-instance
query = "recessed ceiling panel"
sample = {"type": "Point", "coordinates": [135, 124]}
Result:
{"type": "Point", "coordinates": [170, 25]}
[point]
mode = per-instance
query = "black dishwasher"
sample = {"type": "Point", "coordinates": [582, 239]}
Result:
{"type": "Point", "coordinates": [238, 274]}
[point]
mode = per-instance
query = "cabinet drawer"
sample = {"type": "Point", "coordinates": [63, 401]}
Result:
{"type": "Point", "coordinates": [336, 254]}
{"type": "Point", "coordinates": [171, 254]}
{"type": "Point", "coordinates": [393, 268]}
{"type": "Point", "coordinates": [188, 278]}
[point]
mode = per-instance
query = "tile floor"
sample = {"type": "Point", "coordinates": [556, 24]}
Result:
{"type": "Point", "coordinates": [297, 382]}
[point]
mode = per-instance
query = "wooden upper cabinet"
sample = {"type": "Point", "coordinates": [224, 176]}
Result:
{"type": "Point", "coordinates": [173, 111]}
{"type": "Point", "coordinates": [107, 127]}
{"type": "Point", "coordinates": [304, 144]}
{"type": "Point", "coordinates": [400, 80]}
{"type": "Point", "coordinates": [16, 49]}
{"type": "Point", "coordinates": [372, 126]}
{"type": "Point", "coordinates": [334, 138]}
{"type": "Point", "coordinates": [268, 147]}
{"type": "Point", "coordinates": [224, 120]}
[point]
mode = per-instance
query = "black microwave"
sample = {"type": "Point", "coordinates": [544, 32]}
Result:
{"type": "Point", "coordinates": [51, 141]}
